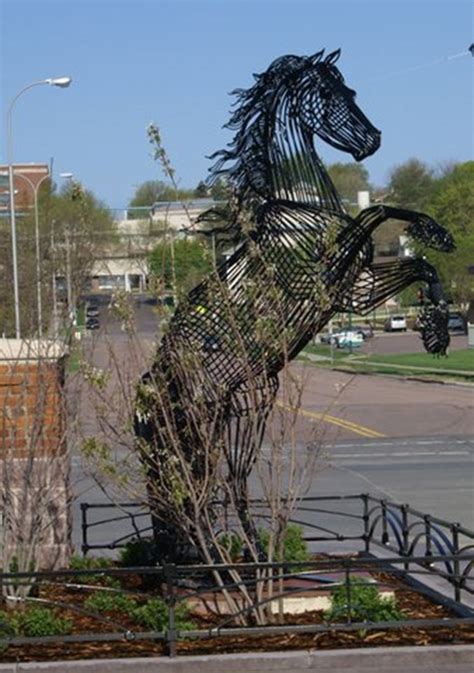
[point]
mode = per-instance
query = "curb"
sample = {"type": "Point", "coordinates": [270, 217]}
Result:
{"type": "Point", "coordinates": [436, 658]}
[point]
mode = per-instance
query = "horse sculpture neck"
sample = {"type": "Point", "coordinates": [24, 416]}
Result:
{"type": "Point", "coordinates": [296, 173]}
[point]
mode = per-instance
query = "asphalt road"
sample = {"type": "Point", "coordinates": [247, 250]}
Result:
{"type": "Point", "coordinates": [404, 440]}
{"type": "Point", "coordinates": [431, 474]}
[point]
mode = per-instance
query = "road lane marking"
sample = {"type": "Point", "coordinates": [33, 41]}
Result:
{"type": "Point", "coordinates": [401, 442]}
{"type": "Point", "coordinates": [399, 454]}
{"type": "Point", "coordinates": [356, 428]}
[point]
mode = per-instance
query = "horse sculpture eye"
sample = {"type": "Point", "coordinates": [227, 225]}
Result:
{"type": "Point", "coordinates": [325, 93]}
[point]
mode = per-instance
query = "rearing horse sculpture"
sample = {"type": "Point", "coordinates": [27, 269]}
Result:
{"type": "Point", "coordinates": [303, 260]}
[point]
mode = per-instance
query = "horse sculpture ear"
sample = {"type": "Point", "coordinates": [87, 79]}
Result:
{"type": "Point", "coordinates": [332, 57]}
{"type": "Point", "coordinates": [316, 58]}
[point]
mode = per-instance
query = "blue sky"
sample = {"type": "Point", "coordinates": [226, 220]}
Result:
{"type": "Point", "coordinates": [175, 63]}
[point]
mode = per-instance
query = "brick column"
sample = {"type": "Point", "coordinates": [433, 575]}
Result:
{"type": "Point", "coordinates": [34, 461]}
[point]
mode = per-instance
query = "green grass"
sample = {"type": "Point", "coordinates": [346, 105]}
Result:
{"type": "Point", "coordinates": [73, 361]}
{"type": "Point", "coordinates": [417, 364]}
{"type": "Point", "coordinates": [457, 360]}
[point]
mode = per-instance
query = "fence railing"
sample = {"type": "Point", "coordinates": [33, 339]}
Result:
{"type": "Point", "coordinates": [237, 599]}
{"type": "Point", "coordinates": [361, 521]}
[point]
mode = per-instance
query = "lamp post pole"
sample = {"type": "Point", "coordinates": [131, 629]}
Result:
{"type": "Point", "coordinates": [35, 190]}
{"type": "Point", "coordinates": [54, 81]}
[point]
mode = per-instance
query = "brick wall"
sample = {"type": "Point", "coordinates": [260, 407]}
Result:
{"type": "Point", "coordinates": [34, 463]}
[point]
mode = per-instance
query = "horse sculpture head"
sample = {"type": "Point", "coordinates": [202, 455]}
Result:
{"type": "Point", "coordinates": [327, 107]}
{"type": "Point", "coordinates": [306, 93]}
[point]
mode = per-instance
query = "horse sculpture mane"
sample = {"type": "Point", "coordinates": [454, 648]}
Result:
{"type": "Point", "coordinates": [275, 98]}
{"type": "Point", "coordinates": [304, 260]}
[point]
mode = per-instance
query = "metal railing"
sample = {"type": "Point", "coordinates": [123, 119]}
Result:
{"type": "Point", "coordinates": [253, 588]}
{"type": "Point", "coordinates": [363, 521]}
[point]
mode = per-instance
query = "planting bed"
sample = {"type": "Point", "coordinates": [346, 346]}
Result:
{"type": "Point", "coordinates": [410, 603]}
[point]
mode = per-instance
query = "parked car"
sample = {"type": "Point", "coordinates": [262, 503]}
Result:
{"type": "Point", "coordinates": [92, 323]}
{"type": "Point", "coordinates": [353, 339]}
{"type": "Point", "coordinates": [457, 324]}
{"type": "Point", "coordinates": [396, 323]}
{"type": "Point", "coordinates": [366, 331]}
{"type": "Point", "coordinates": [211, 343]}
{"type": "Point", "coordinates": [92, 311]}
{"type": "Point", "coordinates": [327, 337]}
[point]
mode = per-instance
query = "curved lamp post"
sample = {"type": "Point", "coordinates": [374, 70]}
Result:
{"type": "Point", "coordinates": [61, 82]}
{"type": "Point", "coordinates": [35, 190]}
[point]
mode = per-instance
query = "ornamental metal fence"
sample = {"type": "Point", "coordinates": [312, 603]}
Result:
{"type": "Point", "coordinates": [361, 522]}
{"type": "Point", "coordinates": [235, 598]}
{"type": "Point", "coordinates": [198, 602]}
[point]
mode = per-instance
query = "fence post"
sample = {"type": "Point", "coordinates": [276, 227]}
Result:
{"type": "Point", "coordinates": [347, 582]}
{"type": "Point", "coordinates": [85, 545]}
{"type": "Point", "coordinates": [365, 499]}
{"type": "Point", "coordinates": [404, 510]}
{"type": "Point", "coordinates": [385, 537]}
{"type": "Point", "coordinates": [170, 577]}
{"type": "Point", "coordinates": [456, 564]}
{"type": "Point", "coordinates": [428, 548]}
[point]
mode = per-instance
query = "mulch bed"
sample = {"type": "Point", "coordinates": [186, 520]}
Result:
{"type": "Point", "coordinates": [412, 604]}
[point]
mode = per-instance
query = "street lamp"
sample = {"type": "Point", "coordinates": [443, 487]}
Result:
{"type": "Point", "coordinates": [61, 82]}
{"type": "Point", "coordinates": [35, 190]}
{"type": "Point", "coordinates": [70, 305]}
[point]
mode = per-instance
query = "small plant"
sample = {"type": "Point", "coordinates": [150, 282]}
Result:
{"type": "Point", "coordinates": [154, 616]}
{"type": "Point", "coordinates": [106, 601]}
{"type": "Point", "coordinates": [295, 547]}
{"type": "Point", "coordinates": [366, 604]}
{"type": "Point", "coordinates": [138, 553]}
{"type": "Point", "coordinates": [93, 563]}
{"type": "Point", "coordinates": [40, 622]}
{"type": "Point", "coordinates": [7, 630]}
{"type": "Point", "coordinates": [232, 544]}
{"type": "Point", "coordinates": [89, 562]}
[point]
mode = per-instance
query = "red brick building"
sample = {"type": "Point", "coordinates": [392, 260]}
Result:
{"type": "Point", "coordinates": [26, 179]}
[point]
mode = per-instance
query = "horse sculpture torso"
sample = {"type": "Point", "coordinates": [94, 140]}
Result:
{"type": "Point", "coordinates": [303, 260]}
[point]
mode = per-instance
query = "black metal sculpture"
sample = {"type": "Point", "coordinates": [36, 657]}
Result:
{"type": "Point", "coordinates": [301, 259]}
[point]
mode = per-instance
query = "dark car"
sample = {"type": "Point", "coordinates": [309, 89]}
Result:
{"type": "Point", "coordinates": [456, 324]}
{"type": "Point", "coordinates": [92, 323]}
{"type": "Point", "coordinates": [366, 331]}
{"type": "Point", "coordinates": [211, 343]}
{"type": "Point", "coordinates": [92, 311]}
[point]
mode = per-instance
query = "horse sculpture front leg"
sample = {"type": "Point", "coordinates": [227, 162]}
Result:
{"type": "Point", "coordinates": [420, 226]}
{"type": "Point", "coordinates": [389, 278]}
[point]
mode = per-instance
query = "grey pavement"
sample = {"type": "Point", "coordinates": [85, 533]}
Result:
{"type": "Point", "coordinates": [432, 659]}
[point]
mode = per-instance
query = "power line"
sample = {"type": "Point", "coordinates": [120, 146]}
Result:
{"type": "Point", "coordinates": [429, 64]}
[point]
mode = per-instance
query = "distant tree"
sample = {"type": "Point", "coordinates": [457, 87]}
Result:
{"type": "Point", "coordinates": [411, 185]}
{"type": "Point", "coordinates": [74, 227]}
{"type": "Point", "coordinates": [453, 207]}
{"type": "Point", "coordinates": [220, 190]}
{"type": "Point", "coordinates": [349, 179]}
{"type": "Point", "coordinates": [202, 190]}
{"type": "Point", "coordinates": [183, 261]}
{"type": "Point", "coordinates": [151, 191]}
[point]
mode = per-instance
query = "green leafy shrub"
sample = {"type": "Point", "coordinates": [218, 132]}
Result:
{"type": "Point", "coordinates": [232, 544]}
{"type": "Point", "coordinates": [366, 604]}
{"type": "Point", "coordinates": [295, 547]}
{"type": "Point", "coordinates": [107, 601]}
{"type": "Point", "coordinates": [93, 563]}
{"type": "Point", "coordinates": [40, 622]}
{"type": "Point", "coordinates": [89, 562]}
{"type": "Point", "coordinates": [7, 630]}
{"type": "Point", "coordinates": [139, 552]}
{"type": "Point", "coordinates": [154, 616]}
